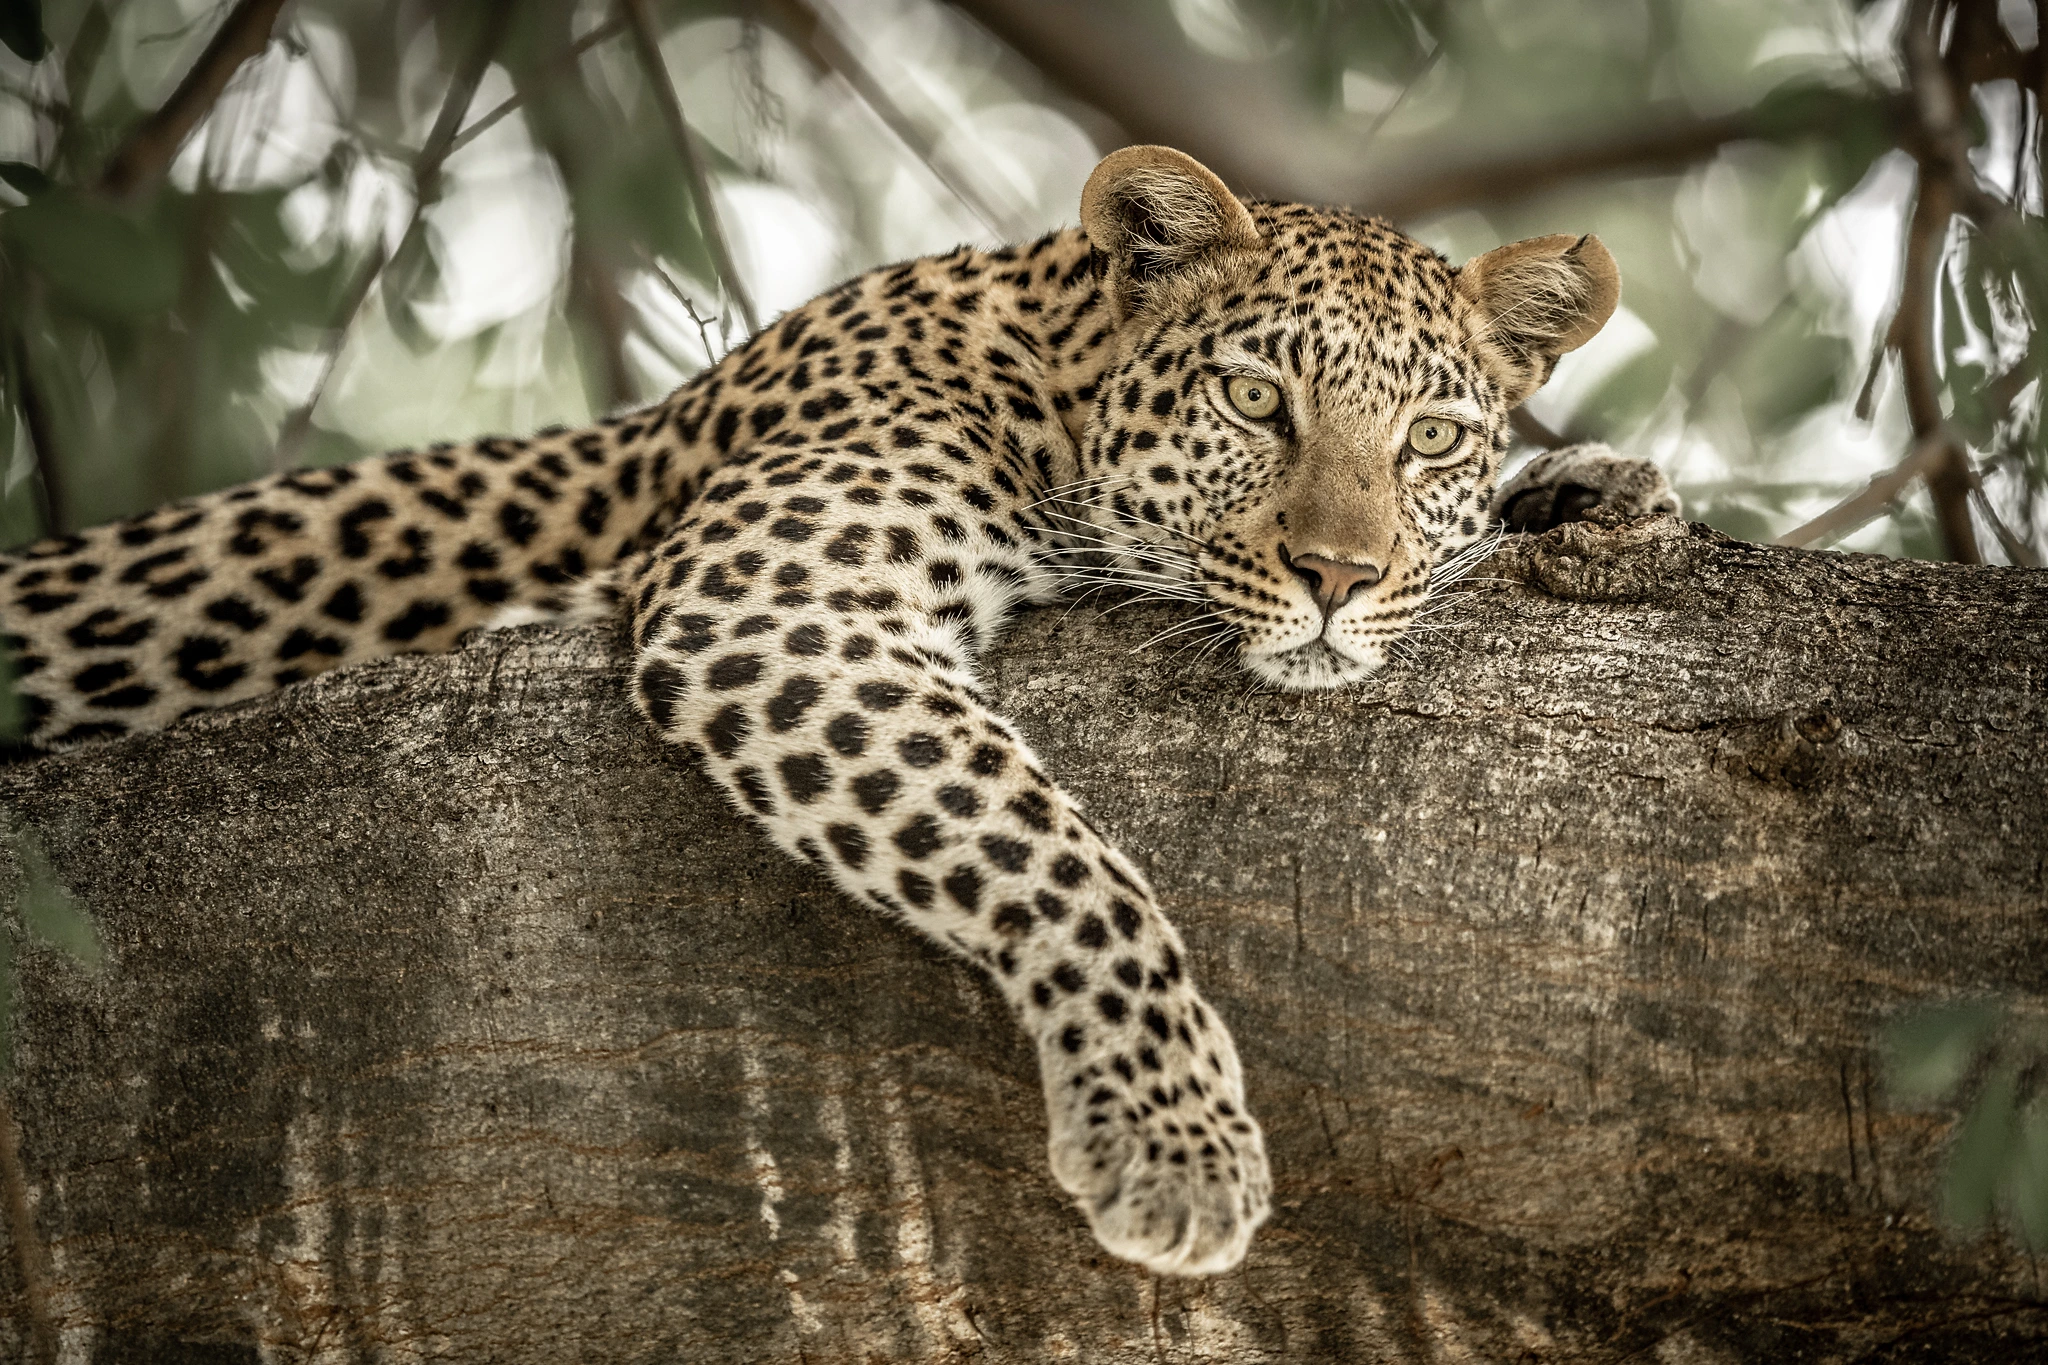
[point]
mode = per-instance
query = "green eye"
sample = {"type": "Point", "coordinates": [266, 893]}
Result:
{"type": "Point", "coordinates": [1255, 398]}
{"type": "Point", "coordinates": [1434, 436]}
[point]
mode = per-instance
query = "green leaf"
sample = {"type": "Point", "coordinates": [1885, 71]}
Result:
{"type": "Point", "coordinates": [48, 910]}
{"type": "Point", "coordinates": [1929, 1050]}
{"type": "Point", "coordinates": [100, 257]}
{"type": "Point", "coordinates": [21, 28]}
{"type": "Point", "coordinates": [1985, 1147]}
{"type": "Point", "coordinates": [24, 179]}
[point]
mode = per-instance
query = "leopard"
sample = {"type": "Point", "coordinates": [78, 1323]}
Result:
{"type": "Point", "coordinates": [1291, 415]}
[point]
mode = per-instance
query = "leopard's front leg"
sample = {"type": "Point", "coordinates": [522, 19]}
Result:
{"type": "Point", "coordinates": [838, 708]}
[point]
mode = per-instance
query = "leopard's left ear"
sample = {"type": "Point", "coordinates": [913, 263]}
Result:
{"type": "Point", "coordinates": [1153, 216]}
{"type": "Point", "coordinates": [1539, 298]}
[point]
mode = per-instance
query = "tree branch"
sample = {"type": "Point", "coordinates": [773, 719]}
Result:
{"type": "Point", "coordinates": [648, 44]}
{"type": "Point", "coordinates": [35, 415]}
{"type": "Point", "coordinates": [1881, 492]}
{"type": "Point", "coordinates": [610, 28]}
{"type": "Point", "coordinates": [795, 1130]}
{"type": "Point", "coordinates": [2017, 550]}
{"type": "Point", "coordinates": [292, 432]}
{"type": "Point", "coordinates": [1669, 148]}
{"type": "Point", "coordinates": [427, 188]}
{"type": "Point", "coordinates": [1256, 139]}
{"type": "Point", "coordinates": [828, 51]}
{"type": "Point", "coordinates": [1942, 151]}
{"type": "Point", "coordinates": [150, 146]}
{"type": "Point", "coordinates": [1532, 429]}
{"type": "Point", "coordinates": [568, 123]}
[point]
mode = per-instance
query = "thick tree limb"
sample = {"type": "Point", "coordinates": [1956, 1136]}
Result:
{"type": "Point", "coordinates": [1250, 127]}
{"type": "Point", "coordinates": [1651, 151]}
{"type": "Point", "coordinates": [148, 150]}
{"type": "Point", "coordinates": [447, 1013]}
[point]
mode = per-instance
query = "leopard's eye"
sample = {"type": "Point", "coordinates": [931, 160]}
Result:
{"type": "Point", "coordinates": [1434, 436]}
{"type": "Point", "coordinates": [1255, 398]}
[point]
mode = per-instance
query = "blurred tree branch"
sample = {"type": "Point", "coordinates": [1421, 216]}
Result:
{"type": "Point", "coordinates": [1668, 147]}
{"type": "Point", "coordinates": [35, 416]}
{"type": "Point", "coordinates": [1088, 54]}
{"type": "Point", "coordinates": [827, 50]}
{"type": "Point", "coordinates": [562, 62]}
{"type": "Point", "coordinates": [1979, 49]}
{"type": "Point", "coordinates": [427, 165]}
{"type": "Point", "coordinates": [647, 43]}
{"type": "Point", "coordinates": [1532, 429]}
{"type": "Point", "coordinates": [570, 126]}
{"type": "Point", "coordinates": [150, 147]}
{"type": "Point", "coordinates": [1872, 500]}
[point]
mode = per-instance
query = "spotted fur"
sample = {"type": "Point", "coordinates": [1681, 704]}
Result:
{"type": "Point", "coordinates": [815, 540]}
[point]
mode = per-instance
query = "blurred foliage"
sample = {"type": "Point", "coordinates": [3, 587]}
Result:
{"type": "Point", "coordinates": [1995, 1066]}
{"type": "Point", "coordinates": [45, 913]}
{"type": "Point", "coordinates": [311, 280]}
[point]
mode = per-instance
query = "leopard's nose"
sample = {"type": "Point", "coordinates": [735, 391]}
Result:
{"type": "Point", "coordinates": [1331, 581]}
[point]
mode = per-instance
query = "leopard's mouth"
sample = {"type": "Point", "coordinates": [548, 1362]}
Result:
{"type": "Point", "coordinates": [1315, 666]}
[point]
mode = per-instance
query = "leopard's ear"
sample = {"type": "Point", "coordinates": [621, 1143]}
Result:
{"type": "Point", "coordinates": [1538, 299]}
{"type": "Point", "coordinates": [1154, 216]}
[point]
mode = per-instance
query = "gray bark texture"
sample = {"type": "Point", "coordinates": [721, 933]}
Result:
{"type": "Point", "coordinates": [446, 1015]}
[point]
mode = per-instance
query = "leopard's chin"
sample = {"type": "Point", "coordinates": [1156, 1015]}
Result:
{"type": "Point", "coordinates": [1317, 666]}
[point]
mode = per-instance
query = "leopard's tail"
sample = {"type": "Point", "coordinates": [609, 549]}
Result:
{"type": "Point", "coordinates": [126, 627]}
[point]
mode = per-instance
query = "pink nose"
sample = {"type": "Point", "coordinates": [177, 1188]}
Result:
{"type": "Point", "coordinates": [1331, 581]}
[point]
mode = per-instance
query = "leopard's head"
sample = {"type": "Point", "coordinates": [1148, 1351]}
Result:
{"type": "Point", "coordinates": [1304, 409]}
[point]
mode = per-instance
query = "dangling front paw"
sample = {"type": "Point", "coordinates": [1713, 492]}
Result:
{"type": "Point", "coordinates": [1151, 1136]}
{"type": "Point", "coordinates": [1569, 483]}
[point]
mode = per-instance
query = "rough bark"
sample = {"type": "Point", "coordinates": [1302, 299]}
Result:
{"type": "Point", "coordinates": [445, 1014]}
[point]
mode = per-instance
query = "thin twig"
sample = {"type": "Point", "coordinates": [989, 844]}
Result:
{"type": "Point", "coordinates": [151, 145]}
{"type": "Point", "coordinates": [2016, 550]}
{"type": "Point", "coordinates": [712, 349]}
{"type": "Point", "coordinates": [565, 118]}
{"type": "Point", "coordinates": [648, 43]}
{"type": "Point", "coordinates": [1942, 155]}
{"type": "Point", "coordinates": [427, 186]}
{"type": "Point", "coordinates": [35, 415]}
{"type": "Point", "coordinates": [1415, 76]}
{"type": "Point", "coordinates": [1881, 492]}
{"type": "Point", "coordinates": [610, 28]}
{"type": "Point", "coordinates": [827, 50]}
{"type": "Point", "coordinates": [292, 432]}
{"type": "Point", "coordinates": [80, 64]}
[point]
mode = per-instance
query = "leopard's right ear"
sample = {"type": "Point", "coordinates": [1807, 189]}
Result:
{"type": "Point", "coordinates": [1156, 217]}
{"type": "Point", "coordinates": [1538, 299]}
